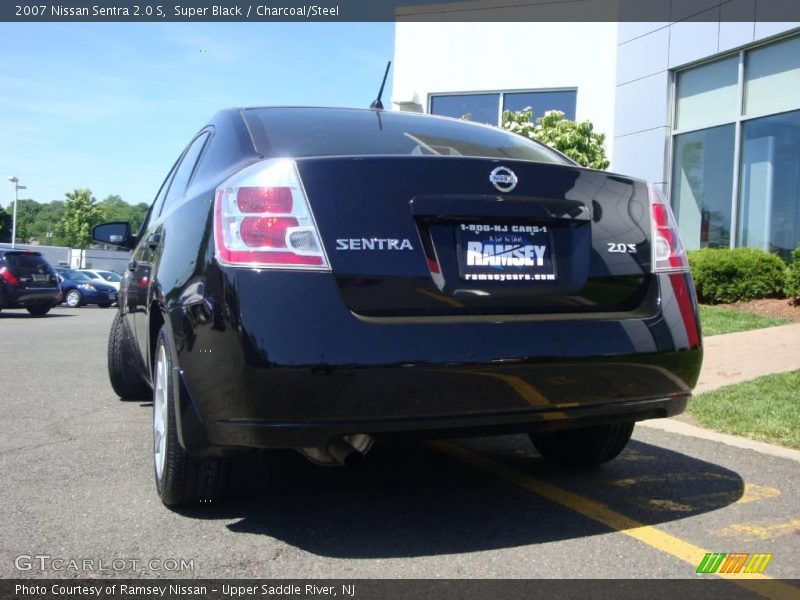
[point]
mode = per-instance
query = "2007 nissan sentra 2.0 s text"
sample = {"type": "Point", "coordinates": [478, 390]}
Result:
{"type": "Point", "coordinates": [320, 279]}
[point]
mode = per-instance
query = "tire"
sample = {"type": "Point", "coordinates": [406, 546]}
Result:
{"type": "Point", "coordinates": [181, 480]}
{"type": "Point", "coordinates": [73, 299]}
{"type": "Point", "coordinates": [126, 383]}
{"type": "Point", "coordinates": [585, 447]}
{"type": "Point", "coordinates": [104, 305]}
{"type": "Point", "coordinates": [39, 311]}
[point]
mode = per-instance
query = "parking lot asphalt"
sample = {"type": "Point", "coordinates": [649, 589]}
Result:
{"type": "Point", "coordinates": [76, 483]}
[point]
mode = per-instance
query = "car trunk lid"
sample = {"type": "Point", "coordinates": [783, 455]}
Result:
{"type": "Point", "coordinates": [435, 236]}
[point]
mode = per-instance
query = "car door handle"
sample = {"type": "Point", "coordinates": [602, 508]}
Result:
{"type": "Point", "coordinates": [153, 240]}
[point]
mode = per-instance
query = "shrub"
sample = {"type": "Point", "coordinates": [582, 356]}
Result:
{"type": "Point", "coordinates": [579, 141]}
{"type": "Point", "coordinates": [723, 275]}
{"type": "Point", "coordinates": [793, 275]}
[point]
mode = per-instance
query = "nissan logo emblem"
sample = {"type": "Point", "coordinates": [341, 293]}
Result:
{"type": "Point", "coordinates": [503, 179]}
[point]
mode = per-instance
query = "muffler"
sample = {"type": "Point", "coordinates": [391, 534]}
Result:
{"type": "Point", "coordinates": [347, 451]}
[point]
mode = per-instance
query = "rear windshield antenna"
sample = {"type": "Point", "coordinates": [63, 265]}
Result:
{"type": "Point", "coordinates": [377, 104]}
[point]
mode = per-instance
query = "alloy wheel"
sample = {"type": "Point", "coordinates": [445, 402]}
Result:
{"type": "Point", "coordinates": [160, 407]}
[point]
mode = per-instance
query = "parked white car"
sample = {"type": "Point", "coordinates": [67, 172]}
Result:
{"type": "Point", "coordinates": [108, 277]}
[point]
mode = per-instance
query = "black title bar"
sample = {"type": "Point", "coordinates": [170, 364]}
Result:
{"type": "Point", "coordinates": [66, 11]}
{"type": "Point", "coordinates": [711, 588]}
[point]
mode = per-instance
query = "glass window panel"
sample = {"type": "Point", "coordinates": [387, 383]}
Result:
{"type": "Point", "coordinates": [769, 195]}
{"type": "Point", "coordinates": [708, 95]}
{"type": "Point", "coordinates": [183, 172]}
{"type": "Point", "coordinates": [298, 132]}
{"type": "Point", "coordinates": [481, 108]}
{"type": "Point", "coordinates": [702, 184]}
{"type": "Point", "coordinates": [773, 78]}
{"type": "Point", "coordinates": [541, 102]}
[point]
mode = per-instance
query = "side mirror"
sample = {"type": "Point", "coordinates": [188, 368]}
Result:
{"type": "Point", "coordinates": [116, 234]}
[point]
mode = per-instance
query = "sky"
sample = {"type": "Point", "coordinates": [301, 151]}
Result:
{"type": "Point", "coordinates": [110, 106]}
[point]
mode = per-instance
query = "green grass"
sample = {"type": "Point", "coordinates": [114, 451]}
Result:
{"type": "Point", "coordinates": [717, 320]}
{"type": "Point", "coordinates": [764, 409]}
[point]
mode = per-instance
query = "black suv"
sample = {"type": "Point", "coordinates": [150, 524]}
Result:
{"type": "Point", "coordinates": [27, 281]}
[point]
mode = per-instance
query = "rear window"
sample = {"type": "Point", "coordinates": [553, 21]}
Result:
{"type": "Point", "coordinates": [299, 132]}
{"type": "Point", "coordinates": [24, 260]}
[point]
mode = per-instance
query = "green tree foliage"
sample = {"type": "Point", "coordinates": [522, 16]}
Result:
{"type": "Point", "coordinates": [27, 211]}
{"type": "Point", "coordinates": [44, 228]}
{"type": "Point", "coordinates": [81, 213]}
{"type": "Point", "coordinates": [114, 208]}
{"type": "Point", "coordinates": [579, 141]}
{"type": "Point", "coordinates": [793, 275]}
{"type": "Point", "coordinates": [5, 225]}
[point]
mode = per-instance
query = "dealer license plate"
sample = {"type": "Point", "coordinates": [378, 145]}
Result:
{"type": "Point", "coordinates": [492, 252]}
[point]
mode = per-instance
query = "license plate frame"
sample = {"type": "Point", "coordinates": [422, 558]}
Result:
{"type": "Point", "coordinates": [505, 253]}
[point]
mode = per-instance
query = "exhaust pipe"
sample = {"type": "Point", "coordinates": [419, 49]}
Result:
{"type": "Point", "coordinates": [345, 451]}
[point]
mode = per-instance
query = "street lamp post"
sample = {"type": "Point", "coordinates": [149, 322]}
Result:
{"type": "Point", "coordinates": [17, 188]}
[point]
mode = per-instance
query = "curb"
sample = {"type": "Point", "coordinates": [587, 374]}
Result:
{"type": "Point", "coordinates": [682, 428]}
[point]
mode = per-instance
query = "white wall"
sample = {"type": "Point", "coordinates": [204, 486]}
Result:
{"type": "Point", "coordinates": [475, 57]}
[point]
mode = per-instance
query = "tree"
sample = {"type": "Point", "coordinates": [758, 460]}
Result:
{"type": "Point", "coordinates": [138, 215]}
{"type": "Point", "coordinates": [5, 225]}
{"type": "Point", "coordinates": [81, 213]}
{"type": "Point", "coordinates": [114, 208]}
{"type": "Point", "coordinates": [579, 141]}
{"type": "Point", "coordinates": [27, 210]}
{"type": "Point", "coordinates": [45, 227]}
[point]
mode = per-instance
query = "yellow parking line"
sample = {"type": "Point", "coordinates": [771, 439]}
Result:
{"type": "Point", "coordinates": [753, 492]}
{"type": "Point", "coordinates": [762, 532]}
{"type": "Point", "coordinates": [597, 511]}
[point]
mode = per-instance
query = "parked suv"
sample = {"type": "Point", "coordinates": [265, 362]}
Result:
{"type": "Point", "coordinates": [27, 281]}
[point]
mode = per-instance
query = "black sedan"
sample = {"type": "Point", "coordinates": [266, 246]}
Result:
{"type": "Point", "coordinates": [319, 279]}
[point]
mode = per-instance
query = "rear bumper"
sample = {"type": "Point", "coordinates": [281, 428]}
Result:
{"type": "Point", "coordinates": [23, 298]}
{"type": "Point", "coordinates": [217, 438]}
{"type": "Point", "coordinates": [99, 297]}
{"type": "Point", "coordinates": [299, 369]}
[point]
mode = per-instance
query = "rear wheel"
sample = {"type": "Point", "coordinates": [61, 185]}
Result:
{"type": "Point", "coordinates": [584, 447]}
{"type": "Point", "coordinates": [126, 382]}
{"type": "Point", "coordinates": [74, 299]}
{"type": "Point", "coordinates": [39, 311]}
{"type": "Point", "coordinates": [181, 480]}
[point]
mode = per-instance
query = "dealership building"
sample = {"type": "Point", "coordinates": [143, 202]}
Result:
{"type": "Point", "coordinates": [707, 108]}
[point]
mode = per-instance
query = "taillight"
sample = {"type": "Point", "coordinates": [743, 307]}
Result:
{"type": "Point", "coordinates": [262, 219]}
{"type": "Point", "coordinates": [9, 276]}
{"type": "Point", "coordinates": [668, 252]}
